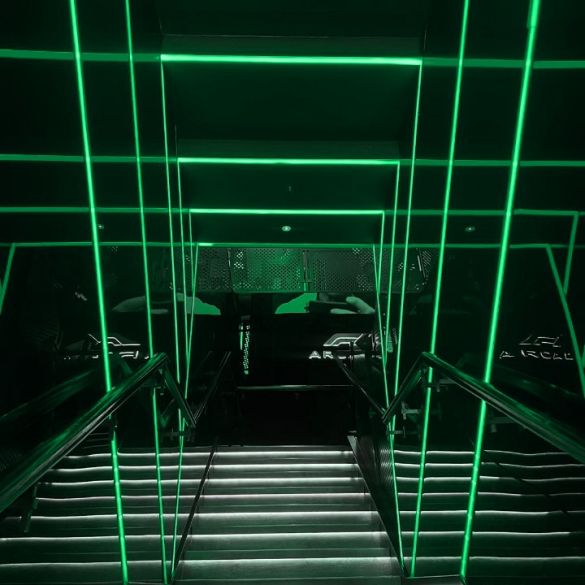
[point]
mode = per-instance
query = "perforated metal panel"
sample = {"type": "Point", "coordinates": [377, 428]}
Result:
{"type": "Point", "coordinates": [267, 269]}
{"type": "Point", "coordinates": [213, 270]}
{"type": "Point", "coordinates": [340, 271]}
{"type": "Point", "coordinates": [420, 266]}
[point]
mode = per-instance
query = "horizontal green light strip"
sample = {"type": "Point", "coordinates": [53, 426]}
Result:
{"type": "Point", "coordinates": [423, 162]}
{"type": "Point", "coordinates": [344, 245]}
{"type": "Point", "coordinates": [210, 160]}
{"type": "Point", "coordinates": [566, 213]}
{"type": "Point", "coordinates": [290, 60]}
{"type": "Point", "coordinates": [489, 63]}
{"type": "Point", "coordinates": [69, 56]}
{"type": "Point", "coordinates": [318, 212]}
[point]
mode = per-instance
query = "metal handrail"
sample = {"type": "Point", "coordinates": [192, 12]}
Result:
{"type": "Point", "coordinates": [197, 416]}
{"type": "Point", "coordinates": [46, 455]}
{"type": "Point", "coordinates": [565, 437]}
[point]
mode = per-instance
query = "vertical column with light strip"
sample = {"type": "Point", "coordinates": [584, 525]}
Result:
{"type": "Point", "coordinates": [99, 278]}
{"type": "Point", "coordinates": [146, 278]}
{"type": "Point", "coordinates": [533, 16]}
{"type": "Point", "coordinates": [440, 264]}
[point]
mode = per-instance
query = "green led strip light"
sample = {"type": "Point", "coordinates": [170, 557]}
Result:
{"type": "Point", "coordinates": [111, 57]}
{"type": "Point", "coordinates": [146, 281]}
{"type": "Point", "coordinates": [407, 236]}
{"type": "Point", "coordinates": [571, 249]}
{"type": "Point", "coordinates": [390, 425]}
{"type": "Point", "coordinates": [32, 209]}
{"type": "Point", "coordinates": [6, 279]}
{"type": "Point", "coordinates": [184, 276]}
{"type": "Point", "coordinates": [391, 260]}
{"type": "Point", "coordinates": [422, 162]}
{"type": "Point", "coordinates": [440, 266]}
{"type": "Point", "coordinates": [99, 279]}
{"type": "Point", "coordinates": [159, 490]}
{"type": "Point", "coordinates": [171, 232]}
{"type": "Point", "coordinates": [217, 160]}
{"type": "Point", "coordinates": [323, 212]}
{"type": "Point", "coordinates": [568, 317]}
{"type": "Point", "coordinates": [194, 266]}
{"type": "Point", "coordinates": [290, 60]}
{"type": "Point", "coordinates": [139, 181]}
{"type": "Point", "coordinates": [507, 224]}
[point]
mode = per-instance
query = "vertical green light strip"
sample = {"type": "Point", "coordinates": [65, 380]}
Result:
{"type": "Point", "coordinates": [568, 317]}
{"type": "Point", "coordinates": [161, 512]}
{"type": "Point", "coordinates": [194, 265]}
{"type": "Point", "coordinates": [534, 12]}
{"type": "Point", "coordinates": [391, 260]}
{"type": "Point", "coordinates": [91, 193]}
{"type": "Point", "coordinates": [7, 271]}
{"type": "Point", "coordinates": [171, 230]}
{"type": "Point", "coordinates": [119, 510]}
{"type": "Point", "coordinates": [99, 280]}
{"type": "Point", "coordinates": [570, 251]}
{"type": "Point", "coordinates": [407, 235]}
{"type": "Point", "coordinates": [440, 265]}
{"type": "Point", "coordinates": [139, 174]}
{"type": "Point", "coordinates": [390, 425]}
{"type": "Point", "coordinates": [182, 231]}
{"type": "Point", "coordinates": [379, 274]}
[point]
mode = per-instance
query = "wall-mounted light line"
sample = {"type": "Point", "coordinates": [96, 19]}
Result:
{"type": "Point", "coordinates": [407, 234]}
{"type": "Point", "coordinates": [289, 60]}
{"type": "Point", "coordinates": [135, 126]}
{"type": "Point", "coordinates": [570, 251]}
{"type": "Point", "coordinates": [159, 489]}
{"type": "Point", "coordinates": [439, 282]}
{"type": "Point", "coordinates": [171, 230]}
{"type": "Point", "coordinates": [315, 212]}
{"type": "Point", "coordinates": [323, 162]}
{"type": "Point", "coordinates": [99, 279]}
{"type": "Point", "coordinates": [568, 316]}
{"type": "Point", "coordinates": [534, 12]}
{"type": "Point", "coordinates": [6, 277]}
{"type": "Point", "coordinates": [391, 259]}
{"type": "Point", "coordinates": [184, 276]}
{"type": "Point", "coordinates": [181, 420]}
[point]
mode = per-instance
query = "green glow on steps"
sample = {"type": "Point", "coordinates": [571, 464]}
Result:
{"type": "Point", "coordinates": [440, 266]}
{"type": "Point", "coordinates": [506, 229]}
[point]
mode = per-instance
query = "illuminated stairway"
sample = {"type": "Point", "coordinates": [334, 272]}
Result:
{"type": "Point", "coordinates": [291, 514]}
{"type": "Point", "coordinates": [530, 520]}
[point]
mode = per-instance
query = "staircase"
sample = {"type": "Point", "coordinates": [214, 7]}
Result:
{"type": "Point", "coordinates": [268, 514]}
{"type": "Point", "coordinates": [530, 520]}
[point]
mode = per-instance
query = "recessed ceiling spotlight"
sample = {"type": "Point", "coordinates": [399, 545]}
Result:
{"type": "Point", "coordinates": [469, 229]}
{"type": "Point", "coordinates": [286, 228]}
